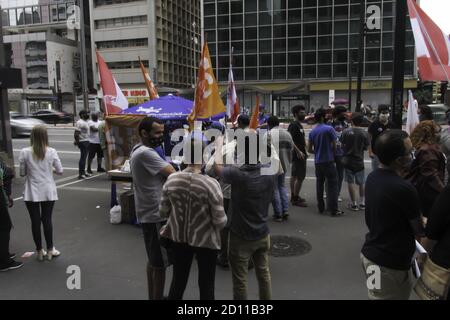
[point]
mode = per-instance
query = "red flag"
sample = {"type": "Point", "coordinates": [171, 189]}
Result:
{"type": "Point", "coordinates": [432, 46]}
{"type": "Point", "coordinates": [233, 108]}
{"type": "Point", "coordinates": [254, 121]}
{"type": "Point", "coordinates": [153, 93]}
{"type": "Point", "coordinates": [113, 98]}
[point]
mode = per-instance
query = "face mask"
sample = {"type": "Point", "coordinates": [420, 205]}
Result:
{"type": "Point", "coordinates": [341, 118]}
{"type": "Point", "coordinates": [156, 142]}
{"type": "Point", "coordinates": [301, 117]}
{"type": "Point", "coordinates": [384, 117]}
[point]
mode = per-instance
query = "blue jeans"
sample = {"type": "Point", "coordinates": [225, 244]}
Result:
{"type": "Point", "coordinates": [327, 172]}
{"type": "Point", "coordinates": [280, 200]}
{"type": "Point", "coordinates": [340, 172]}
{"type": "Point", "coordinates": [84, 151]}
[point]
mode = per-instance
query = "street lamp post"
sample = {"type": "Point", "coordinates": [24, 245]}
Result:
{"type": "Point", "coordinates": [350, 82]}
{"type": "Point", "coordinates": [399, 63]}
{"type": "Point", "coordinates": [362, 34]}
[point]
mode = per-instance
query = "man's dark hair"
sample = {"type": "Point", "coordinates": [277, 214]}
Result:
{"type": "Point", "coordinates": [147, 124]}
{"type": "Point", "coordinates": [297, 109]}
{"type": "Point", "coordinates": [320, 115]}
{"type": "Point", "coordinates": [383, 107]}
{"type": "Point", "coordinates": [243, 120]}
{"type": "Point", "coordinates": [390, 146]}
{"type": "Point", "coordinates": [426, 112]}
{"type": "Point", "coordinates": [338, 110]}
{"type": "Point", "coordinates": [249, 153]}
{"type": "Point", "coordinates": [273, 122]}
{"type": "Point", "coordinates": [83, 113]}
{"type": "Point", "coordinates": [357, 119]}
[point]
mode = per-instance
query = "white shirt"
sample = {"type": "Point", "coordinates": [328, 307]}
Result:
{"type": "Point", "coordinates": [39, 182]}
{"type": "Point", "coordinates": [93, 135]}
{"type": "Point", "coordinates": [83, 127]}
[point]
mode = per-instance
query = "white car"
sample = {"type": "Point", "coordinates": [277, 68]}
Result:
{"type": "Point", "coordinates": [22, 125]}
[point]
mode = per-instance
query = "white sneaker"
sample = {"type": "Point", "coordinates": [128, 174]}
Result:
{"type": "Point", "coordinates": [41, 254]}
{"type": "Point", "coordinates": [339, 199]}
{"type": "Point", "coordinates": [53, 254]}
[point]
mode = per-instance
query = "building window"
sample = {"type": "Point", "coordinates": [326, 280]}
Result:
{"type": "Point", "coordinates": [122, 43]}
{"type": "Point", "coordinates": [127, 64]}
{"type": "Point", "coordinates": [340, 70]}
{"type": "Point", "coordinates": [120, 22]}
{"type": "Point", "coordinates": [99, 3]}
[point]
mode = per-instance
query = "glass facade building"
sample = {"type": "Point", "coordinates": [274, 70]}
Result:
{"type": "Point", "coordinates": [299, 39]}
{"type": "Point", "coordinates": [304, 41]}
{"type": "Point", "coordinates": [39, 41]}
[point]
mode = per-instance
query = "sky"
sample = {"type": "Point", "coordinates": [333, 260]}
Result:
{"type": "Point", "coordinates": [438, 10]}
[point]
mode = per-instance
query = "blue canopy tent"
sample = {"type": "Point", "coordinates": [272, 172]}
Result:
{"type": "Point", "coordinates": [173, 110]}
{"type": "Point", "coordinates": [165, 108]}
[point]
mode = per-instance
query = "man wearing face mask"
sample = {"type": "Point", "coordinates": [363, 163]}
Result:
{"type": "Point", "coordinates": [149, 173]}
{"type": "Point", "coordinates": [393, 219]}
{"type": "Point", "coordinates": [339, 123]}
{"type": "Point", "coordinates": [298, 158]}
{"type": "Point", "coordinates": [376, 129]}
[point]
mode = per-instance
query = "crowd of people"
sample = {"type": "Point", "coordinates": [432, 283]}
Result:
{"type": "Point", "coordinates": [219, 212]}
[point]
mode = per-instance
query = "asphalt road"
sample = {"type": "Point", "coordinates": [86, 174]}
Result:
{"type": "Point", "coordinates": [112, 257]}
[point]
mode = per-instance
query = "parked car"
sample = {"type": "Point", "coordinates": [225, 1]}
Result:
{"type": "Point", "coordinates": [439, 114]}
{"type": "Point", "coordinates": [22, 125]}
{"type": "Point", "coordinates": [439, 111]}
{"type": "Point", "coordinates": [53, 116]}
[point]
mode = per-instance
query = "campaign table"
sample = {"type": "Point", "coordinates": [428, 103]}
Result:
{"type": "Point", "coordinates": [118, 176]}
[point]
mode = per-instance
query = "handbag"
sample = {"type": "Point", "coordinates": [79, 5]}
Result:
{"type": "Point", "coordinates": [434, 282]}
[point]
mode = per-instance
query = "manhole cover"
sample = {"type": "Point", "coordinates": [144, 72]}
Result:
{"type": "Point", "coordinates": [284, 246]}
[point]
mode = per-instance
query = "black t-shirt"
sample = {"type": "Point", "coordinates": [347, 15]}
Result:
{"type": "Point", "coordinates": [391, 203]}
{"type": "Point", "coordinates": [354, 142]}
{"type": "Point", "coordinates": [376, 128]}
{"type": "Point", "coordinates": [298, 136]}
{"type": "Point", "coordinates": [438, 228]}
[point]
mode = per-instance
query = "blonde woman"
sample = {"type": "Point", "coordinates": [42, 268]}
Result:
{"type": "Point", "coordinates": [36, 165]}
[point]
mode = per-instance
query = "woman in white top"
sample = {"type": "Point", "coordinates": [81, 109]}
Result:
{"type": "Point", "coordinates": [36, 165]}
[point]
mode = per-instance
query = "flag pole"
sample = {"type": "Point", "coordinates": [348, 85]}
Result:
{"type": "Point", "coordinates": [431, 43]}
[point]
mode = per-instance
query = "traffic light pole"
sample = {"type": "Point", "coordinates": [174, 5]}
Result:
{"type": "Point", "coordinates": [84, 81]}
{"type": "Point", "coordinates": [399, 63]}
{"type": "Point", "coordinates": [5, 127]}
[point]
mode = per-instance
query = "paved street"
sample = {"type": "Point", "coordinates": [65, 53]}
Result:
{"type": "Point", "coordinates": [112, 258]}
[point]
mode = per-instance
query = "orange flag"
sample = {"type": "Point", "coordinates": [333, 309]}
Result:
{"type": "Point", "coordinates": [254, 122]}
{"type": "Point", "coordinates": [153, 93]}
{"type": "Point", "coordinates": [207, 103]}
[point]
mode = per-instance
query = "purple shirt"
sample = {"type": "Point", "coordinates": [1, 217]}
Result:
{"type": "Point", "coordinates": [322, 138]}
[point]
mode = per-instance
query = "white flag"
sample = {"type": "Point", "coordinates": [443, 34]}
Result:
{"type": "Point", "coordinates": [412, 119]}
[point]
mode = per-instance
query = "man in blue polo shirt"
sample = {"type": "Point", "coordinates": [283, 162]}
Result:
{"type": "Point", "coordinates": [322, 142]}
